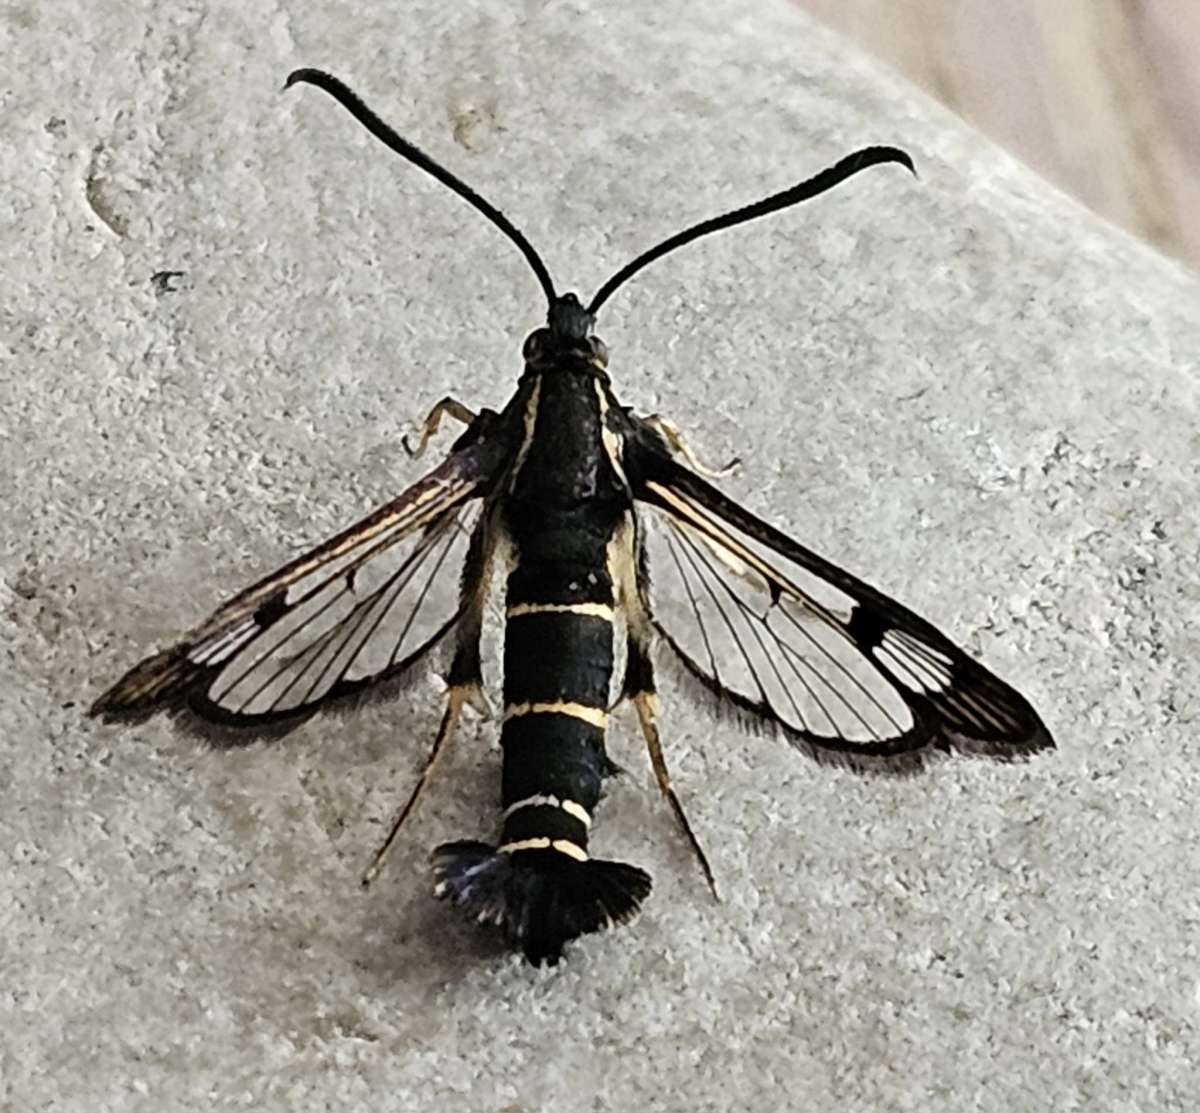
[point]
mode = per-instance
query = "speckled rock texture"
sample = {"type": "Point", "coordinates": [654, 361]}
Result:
{"type": "Point", "coordinates": [963, 388]}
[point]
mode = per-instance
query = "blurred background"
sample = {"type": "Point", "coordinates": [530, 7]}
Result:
{"type": "Point", "coordinates": [1102, 97]}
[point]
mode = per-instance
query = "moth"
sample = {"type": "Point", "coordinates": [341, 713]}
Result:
{"type": "Point", "coordinates": [588, 510]}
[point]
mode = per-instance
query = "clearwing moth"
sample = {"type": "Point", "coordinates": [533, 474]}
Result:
{"type": "Point", "coordinates": [576, 499]}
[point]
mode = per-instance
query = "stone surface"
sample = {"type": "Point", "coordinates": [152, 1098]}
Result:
{"type": "Point", "coordinates": [963, 388]}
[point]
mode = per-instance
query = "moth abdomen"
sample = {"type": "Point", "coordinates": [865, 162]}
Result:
{"type": "Point", "coordinates": [539, 884]}
{"type": "Point", "coordinates": [558, 664]}
{"type": "Point", "coordinates": [561, 653]}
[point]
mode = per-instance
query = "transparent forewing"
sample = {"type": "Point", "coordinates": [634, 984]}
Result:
{"type": "Point", "coordinates": [355, 611]}
{"type": "Point", "coordinates": [771, 650]}
{"type": "Point", "coordinates": [790, 640]}
{"type": "Point", "coordinates": [769, 654]}
{"type": "Point", "coordinates": [362, 617]}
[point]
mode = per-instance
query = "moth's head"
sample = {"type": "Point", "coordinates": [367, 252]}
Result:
{"type": "Point", "coordinates": [567, 342]}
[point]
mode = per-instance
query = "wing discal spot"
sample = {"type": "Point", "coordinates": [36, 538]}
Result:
{"type": "Point", "coordinates": [272, 609]}
{"type": "Point", "coordinates": [704, 522]}
{"type": "Point", "coordinates": [352, 614]}
{"type": "Point", "coordinates": [871, 684]}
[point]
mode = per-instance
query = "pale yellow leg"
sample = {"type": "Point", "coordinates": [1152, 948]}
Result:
{"type": "Point", "coordinates": [670, 433]}
{"type": "Point", "coordinates": [447, 407]}
{"type": "Point", "coordinates": [454, 704]}
{"type": "Point", "coordinates": [646, 704]}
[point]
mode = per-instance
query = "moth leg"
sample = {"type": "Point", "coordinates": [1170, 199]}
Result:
{"type": "Point", "coordinates": [670, 433]}
{"type": "Point", "coordinates": [454, 703]}
{"type": "Point", "coordinates": [466, 670]}
{"type": "Point", "coordinates": [640, 690]}
{"type": "Point", "coordinates": [447, 407]}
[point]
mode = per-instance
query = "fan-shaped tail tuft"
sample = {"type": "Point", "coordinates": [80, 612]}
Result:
{"type": "Point", "coordinates": [540, 899]}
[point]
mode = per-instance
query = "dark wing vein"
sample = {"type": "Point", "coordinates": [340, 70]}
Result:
{"type": "Point", "coordinates": [699, 614]}
{"type": "Point", "coordinates": [769, 664]}
{"type": "Point", "coordinates": [795, 643]}
{"type": "Point", "coordinates": [758, 626]}
{"type": "Point", "coordinates": [354, 612]}
{"type": "Point", "coordinates": [328, 651]}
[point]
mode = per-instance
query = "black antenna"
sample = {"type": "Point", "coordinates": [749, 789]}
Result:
{"type": "Point", "coordinates": [819, 183]}
{"type": "Point", "coordinates": [350, 100]}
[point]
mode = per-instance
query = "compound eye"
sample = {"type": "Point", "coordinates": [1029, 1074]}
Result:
{"type": "Point", "coordinates": [535, 344]}
{"type": "Point", "coordinates": [599, 351]}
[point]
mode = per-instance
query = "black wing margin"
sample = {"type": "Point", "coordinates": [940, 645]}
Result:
{"type": "Point", "coordinates": [791, 642]}
{"type": "Point", "coordinates": [348, 616]}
